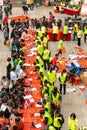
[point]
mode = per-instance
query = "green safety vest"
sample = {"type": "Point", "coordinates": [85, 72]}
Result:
{"type": "Point", "coordinates": [48, 115]}
{"type": "Point", "coordinates": [45, 41]}
{"type": "Point", "coordinates": [43, 29]}
{"type": "Point", "coordinates": [47, 105]}
{"type": "Point", "coordinates": [43, 89]}
{"type": "Point", "coordinates": [52, 76]}
{"type": "Point", "coordinates": [56, 123]}
{"type": "Point", "coordinates": [46, 95]}
{"type": "Point", "coordinates": [46, 54]}
{"type": "Point", "coordinates": [40, 49]}
{"type": "Point", "coordinates": [63, 78]}
{"type": "Point", "coordinates": [41, 70]}
{"type": "Point", "coordinates": [60, 44]}
{"type": "Point", "coordinates": [40, 34]}
{"type": "Point", "coordinates": [50, 87]}
{"type": "Point", "coordinates": [85, 30]}
{"type": "Point", "coordinates": [55, 8]}
{"type": "Point", "coordinates": [72, 124]}
{"type": "Point", "coordinates": [51, 128]}
{"type": "Point", "coordinates": [44, 78]}
{"type": "Point", "coordinates": [55, 29]}
{"type": "Point", "coordinates": [56, 98]}
{"type": "Point", "coordinates": [65, 30]}
{"type": "Point", "coordinates": [40, 60]}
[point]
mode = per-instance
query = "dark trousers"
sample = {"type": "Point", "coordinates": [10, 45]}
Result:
{"type": "Point", "coordinates": [79, 41]}
{"type": "Point", "coordinates": [54, 37]}
{"type": "Point", "coordinates": [74, 36]}
{"type": "Point", "coordinates": [64, 88]}
{"type": "Point", "coordinates": [57, 128]}
{"type": "Point", "coordinates": [59, 52]}
{"type": "Point", "coordinates": [46, 64]}
{"type": "Point", "coordinates": [85, 36]}
{"type": "Point", "coordinates": [31, 6]}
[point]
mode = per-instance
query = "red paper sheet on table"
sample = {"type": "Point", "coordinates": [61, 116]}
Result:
{"type": "Point", "coordinates": [84, 9]}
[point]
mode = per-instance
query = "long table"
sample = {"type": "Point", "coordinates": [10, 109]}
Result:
{"type": "Point", "coordinates": [71, 11]}
{"type": "Point", "coordinates": [31, 106]}
{"type": "Point", "coordinates": [68, 11]}
{"type": "Point", "coordinates": [59, 36]}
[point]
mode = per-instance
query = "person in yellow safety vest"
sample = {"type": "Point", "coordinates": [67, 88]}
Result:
{"type": "Point", "coordinates": [47, 117]}
{"type": "Point", "coordinates": [39, 33]}
{"type": "Point", "coordinates": [40, 48]}
{"type": "Point", "coordinates": [55, 32]}
{"type": "Point", "coordinates": [56, 97]}
{"type": "Point", "coordinates": [46, 57]}
{"type": "Point", "coordinates": [51, 128]}
{"type": "Point", "coordinates": [40, 69]}
{"type": "Point", "coordinates": [58, 120]}
{"type": "Point", "coordinates": [52, 76]}
{"type": "Point", "coordinates": [85, 33]}
{"type": "Point", "coordinates": [61, 7]}
{"type": "Point", "coordinates": [60, 46]}
{"type": "Point", "coordinates": [43, 30]}
{"type": "Point", "coordinates": [65, 32]}
{"type": "Point", "coordinates": [46, 104]}
{"type": "Point", "coordinates": [39, 60]}
{"type": "Point", "coordinates": [75, 31]}
{"type": "Point", "coordinates": [46, 95]}
{"type": "Point", "coordinates": [50, 88]}
{"type": "Point", "coordinates": [45, 40]}
{"type": "Point", "coordinates": [43, 78]}
{"type": "Point", "coordinates": [72, 122]}
{"type": "Point", "coordinates": [38, 39]}
{"type": "Point", "coordinates": [63, 80]}
{"type": "Point", "coordinates": [79, 36]}
{"type": "Point", "coordinates": [55, 7]}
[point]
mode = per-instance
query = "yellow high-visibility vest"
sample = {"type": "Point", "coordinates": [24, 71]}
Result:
{"type": "Point", "coordinates": [85, 30]}
{"type": "Point", "coordinates": [55, 29]}
{"type": "Point", "coordinates": [72, 124]}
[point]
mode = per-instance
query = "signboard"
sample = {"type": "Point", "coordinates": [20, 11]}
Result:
{"type": "Point", "coordinates": [84, 9]}
{"type": "Point", "coordinates": [1, 2]}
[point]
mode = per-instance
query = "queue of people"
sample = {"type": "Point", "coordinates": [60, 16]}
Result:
{"type": "Point", "coordinates": [12, 98]}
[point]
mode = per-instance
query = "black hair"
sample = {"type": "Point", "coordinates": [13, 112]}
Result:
{"type": "Point", "coordinates": [1, 113]}
{"type": "Point", "coordinates": [73, 115]}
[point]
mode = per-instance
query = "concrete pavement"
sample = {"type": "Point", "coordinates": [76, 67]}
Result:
{"type": "Point", "coordinates": [72, 102]}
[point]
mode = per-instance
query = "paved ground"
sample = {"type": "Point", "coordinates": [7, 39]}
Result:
{"type": "Point", "coordinates": [72, 102]}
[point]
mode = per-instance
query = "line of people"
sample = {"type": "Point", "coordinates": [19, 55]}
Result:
{"type": "Point", "coordinates": [47, 68]}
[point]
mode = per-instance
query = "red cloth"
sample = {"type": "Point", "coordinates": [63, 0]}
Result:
{"type": "Point", "coordinates": [71, 11]}
{"type": "Point", "coordinates": [5, 20]}
{"type": "Point", "coordinates": [54, 61]}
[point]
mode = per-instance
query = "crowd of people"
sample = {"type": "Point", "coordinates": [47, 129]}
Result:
{"type": "Point", "coordinates": [11, 98]}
